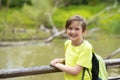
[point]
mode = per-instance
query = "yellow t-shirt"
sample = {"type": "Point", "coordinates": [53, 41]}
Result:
{"type": "Point", "coordinates": [80, 55]}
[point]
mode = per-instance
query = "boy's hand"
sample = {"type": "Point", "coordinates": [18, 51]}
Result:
{"type": "Point", "coordinates": [57, 60]}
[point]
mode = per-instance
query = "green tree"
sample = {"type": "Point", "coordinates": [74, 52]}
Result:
{"type": "Point", "coordinates": [79, 2]}
{"type": "Point", "coordinates": [15, 3]}
{"type": "Point", "coordinates": [40, 12]}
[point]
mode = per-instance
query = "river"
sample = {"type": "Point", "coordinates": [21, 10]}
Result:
{"type": "Point", "coordinates": [40, 53]}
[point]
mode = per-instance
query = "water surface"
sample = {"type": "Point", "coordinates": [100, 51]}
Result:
{"type": "Point", "coordinates": [40, 53]}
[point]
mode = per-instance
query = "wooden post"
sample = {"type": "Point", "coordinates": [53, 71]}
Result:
{"type": "Point", "coordinates": [9, 73]}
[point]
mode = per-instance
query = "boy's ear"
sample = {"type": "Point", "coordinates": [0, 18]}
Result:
{"type": "Point", "coordinates": [84, 33]}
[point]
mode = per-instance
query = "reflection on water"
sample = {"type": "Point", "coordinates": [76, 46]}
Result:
{"type": "Point", "coordinates": [41, 54]}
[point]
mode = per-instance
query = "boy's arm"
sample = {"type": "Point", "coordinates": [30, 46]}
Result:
{"type": "Point", "coordinates": [73, 70]}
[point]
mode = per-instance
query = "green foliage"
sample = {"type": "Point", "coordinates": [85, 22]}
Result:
{"type": "Point", "coordinates": [111, 25]}
{"type": "Point", "coordinates": [115, 28]}
{"type": "Point", "coordinates": [81, 2]}
{"type": "Point", "coordinates": [42, 5]}
{"type": "Point", "coordinates": [39, 11]}
{"type": "Point", "coordinates": [31, 13]}
{"type": "Point", "coordinates": [62, 14]}
{"type": "Point", "coordinates": [15, 3]}
{"type": "Point", "coordinates": [31, 17]}
{"type": "Point", "coordinates": [18, 19]}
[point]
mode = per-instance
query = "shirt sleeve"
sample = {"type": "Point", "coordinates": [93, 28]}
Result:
{"type": "Point", "coordinates": [66, 44]}
{"type": "Point", "coordinates": [85, 57]}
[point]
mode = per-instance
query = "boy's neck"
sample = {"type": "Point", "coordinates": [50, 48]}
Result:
{"type": "Point", "coordinates": [77, 43]}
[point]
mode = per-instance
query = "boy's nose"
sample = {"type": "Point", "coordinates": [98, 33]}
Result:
{"type": "Point", "coordinates": [73, 31]}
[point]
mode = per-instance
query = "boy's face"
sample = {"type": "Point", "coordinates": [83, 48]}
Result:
{"type": "Point", "coordinates": [74, 31]}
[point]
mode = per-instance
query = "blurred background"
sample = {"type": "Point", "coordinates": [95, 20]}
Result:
{"type": "Point", "coordinates": [32, 31]}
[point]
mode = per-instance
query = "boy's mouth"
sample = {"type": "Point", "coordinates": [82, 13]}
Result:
{"type": "Point", "coordinates": [73, 35]}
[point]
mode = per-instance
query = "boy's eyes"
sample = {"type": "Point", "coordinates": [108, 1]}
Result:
{"type": "Point", "coordinates": [77, 28]}
{"type": "Point", "coordinates": [70, 28]}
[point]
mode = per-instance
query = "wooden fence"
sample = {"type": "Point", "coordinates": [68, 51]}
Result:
{"type": "Point", "coordinates": [17, 72]}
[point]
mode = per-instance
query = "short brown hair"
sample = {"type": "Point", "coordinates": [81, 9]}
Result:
{"type": "Point", "coordinates": [81, 19]}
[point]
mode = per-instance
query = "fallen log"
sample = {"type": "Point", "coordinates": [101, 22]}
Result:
{"type": "Point", "coordinates": [114, 53]}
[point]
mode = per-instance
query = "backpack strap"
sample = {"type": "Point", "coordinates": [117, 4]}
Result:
{"type": "Point", "coordinates": [95, 67]}
{"type": "Point", "coordinates": [83, 74]}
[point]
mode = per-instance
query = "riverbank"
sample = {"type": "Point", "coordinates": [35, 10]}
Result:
{"type": "Point", "coordinates": [17, 43]}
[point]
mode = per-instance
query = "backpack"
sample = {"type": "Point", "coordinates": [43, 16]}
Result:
{"type": "Point", "coordinates": [98, 71]}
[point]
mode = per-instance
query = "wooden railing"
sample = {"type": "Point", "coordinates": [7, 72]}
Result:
{"type": "Point", "coordinates": [17, 72]}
